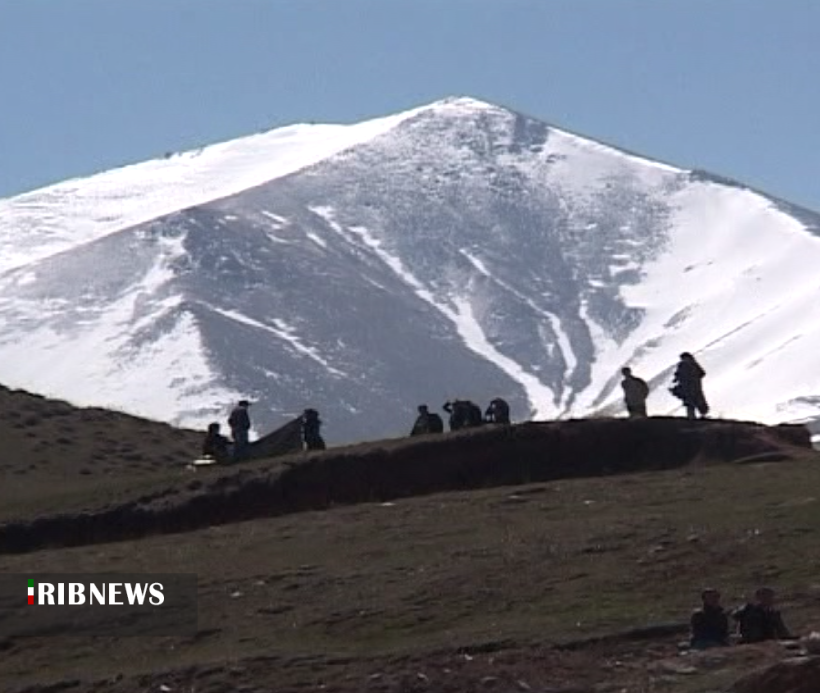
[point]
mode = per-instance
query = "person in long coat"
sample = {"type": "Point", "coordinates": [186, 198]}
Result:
{"type": "Point", "coordinates": [688, 386]}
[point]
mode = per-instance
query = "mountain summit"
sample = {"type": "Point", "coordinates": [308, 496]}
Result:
{"type": "Point", "coordinates": [456, 250]}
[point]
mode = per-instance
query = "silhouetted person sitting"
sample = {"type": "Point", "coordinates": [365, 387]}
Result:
{"type": "Point", "coordinates": [688, 386]}
{"type": "Point", "coordinates": [498, 412]}
{"type": "Point", "coordinates": [426, 422]}
{"type": "Point", "coordinates": [635, 393]}
{"type": "Point", "coordinates": [311, 424]}
{"type": "Point", "coordinates": [710, 624]}
{"type": "Point", "coordinates": [759, 620]}
{"type": "Point", "coordinates": [215, 444]}
{"type": "Point", "coordinates": [240, 423]}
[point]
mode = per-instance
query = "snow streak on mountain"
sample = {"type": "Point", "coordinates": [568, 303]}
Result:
{"type": "Point", "coordinates": [459, 249]}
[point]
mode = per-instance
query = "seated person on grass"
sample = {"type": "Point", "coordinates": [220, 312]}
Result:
{"type": "Point", "coordinates": [710, 624]}
{"type": "Point", "coordinates": [216, 445]}
{"type": "Point", "coordinates": [759, 620]}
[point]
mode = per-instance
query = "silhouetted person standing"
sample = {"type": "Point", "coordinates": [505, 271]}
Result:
{"type": "Point", "coordinates": [473, 414]}
{"type": "Point", "coordinates": [240, 423]}
{"type": "Point", "coordinates": [635, 393]}
{"type": "Point", "coordinates": [311, 425]}
{"type": "Point", "coordinates": [457, 412]}
{"type": "Point", "coordinates": [498, 412]}
{"type": "Point", "coordinates": [422, 423]}
{"type": "Point", "coordinates": [688, 386]}
{"type": "Point", "coordinates": [427, 422]}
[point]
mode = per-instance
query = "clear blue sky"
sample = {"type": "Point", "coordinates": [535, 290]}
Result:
{"type": "Point", "coordinates": [727, 85]}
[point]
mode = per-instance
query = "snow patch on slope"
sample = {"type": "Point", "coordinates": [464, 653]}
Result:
{"type": "Point", "coordinates": [461, 315]}
{"type": "Point", "coordinates": [286, 333]}
{"type": "Point", "coordinates": [724, 274]}
{"type": "Point", "coordinates": [742, 298]}
{"type": "Point", "coordinates": [102, 362]}
{"type": "Point", "coordinates": [564, 343]}
{"type": "Point", "coordinates": [46, 221]}
{"type": "Point", "coordinates": [469, 329]}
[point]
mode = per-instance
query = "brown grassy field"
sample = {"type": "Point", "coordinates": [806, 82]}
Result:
{"type": "Point", "coordinates": [412, 587]}
{"type": "Point", "coordinates": [571, 584]}
{"type": "Point", "coordinates": [51, 442]}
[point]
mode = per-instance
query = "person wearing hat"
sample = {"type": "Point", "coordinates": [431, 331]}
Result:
{"type": "Point", "coordinates": [240, 423]}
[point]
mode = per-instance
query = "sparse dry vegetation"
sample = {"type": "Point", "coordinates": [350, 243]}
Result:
{"type": "Point", "coordinates": [562, 584]}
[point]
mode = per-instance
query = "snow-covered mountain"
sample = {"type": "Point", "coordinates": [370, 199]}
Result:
{"type": "Point", "coordinates": [459, 249]}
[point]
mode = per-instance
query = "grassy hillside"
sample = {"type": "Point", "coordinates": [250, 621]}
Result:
{"type": "Point", "coordinates": [547, 557]}
{"type": "Point", "coordinates": [176, 499]}
{"type": "Point", "coordinates": [47, 441]}
{"type": "Point", "coordinates": [416, 585]}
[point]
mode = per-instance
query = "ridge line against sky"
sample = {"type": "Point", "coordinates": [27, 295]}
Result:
{"type": "Point", "coordinates": [723, 86]}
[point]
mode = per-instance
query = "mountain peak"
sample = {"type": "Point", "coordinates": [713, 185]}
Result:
{"type": "Point", "coordinates": [82, 210]}
{"type": "Point", "coordinates": [463, 103]}
{"type": "Point", "coordinates": [459, 249]}
{"type": "Point", "coordinates": [466, 108]}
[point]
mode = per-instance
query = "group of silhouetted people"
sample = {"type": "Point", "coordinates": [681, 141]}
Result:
{"type": "Point", "coordinates": [463, 414]}
{"type": "Point", "coordinates": [218, 447]}
{"type": "Point", "coordinates": [687, 386]}
{"type": "Point", "coordinates": [221, 449]}
{"type": "Point", "coordinates": [756, 621]}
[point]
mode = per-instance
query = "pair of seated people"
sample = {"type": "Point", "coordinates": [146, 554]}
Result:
{"type": "Point", "coordinates": [757, 621]}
